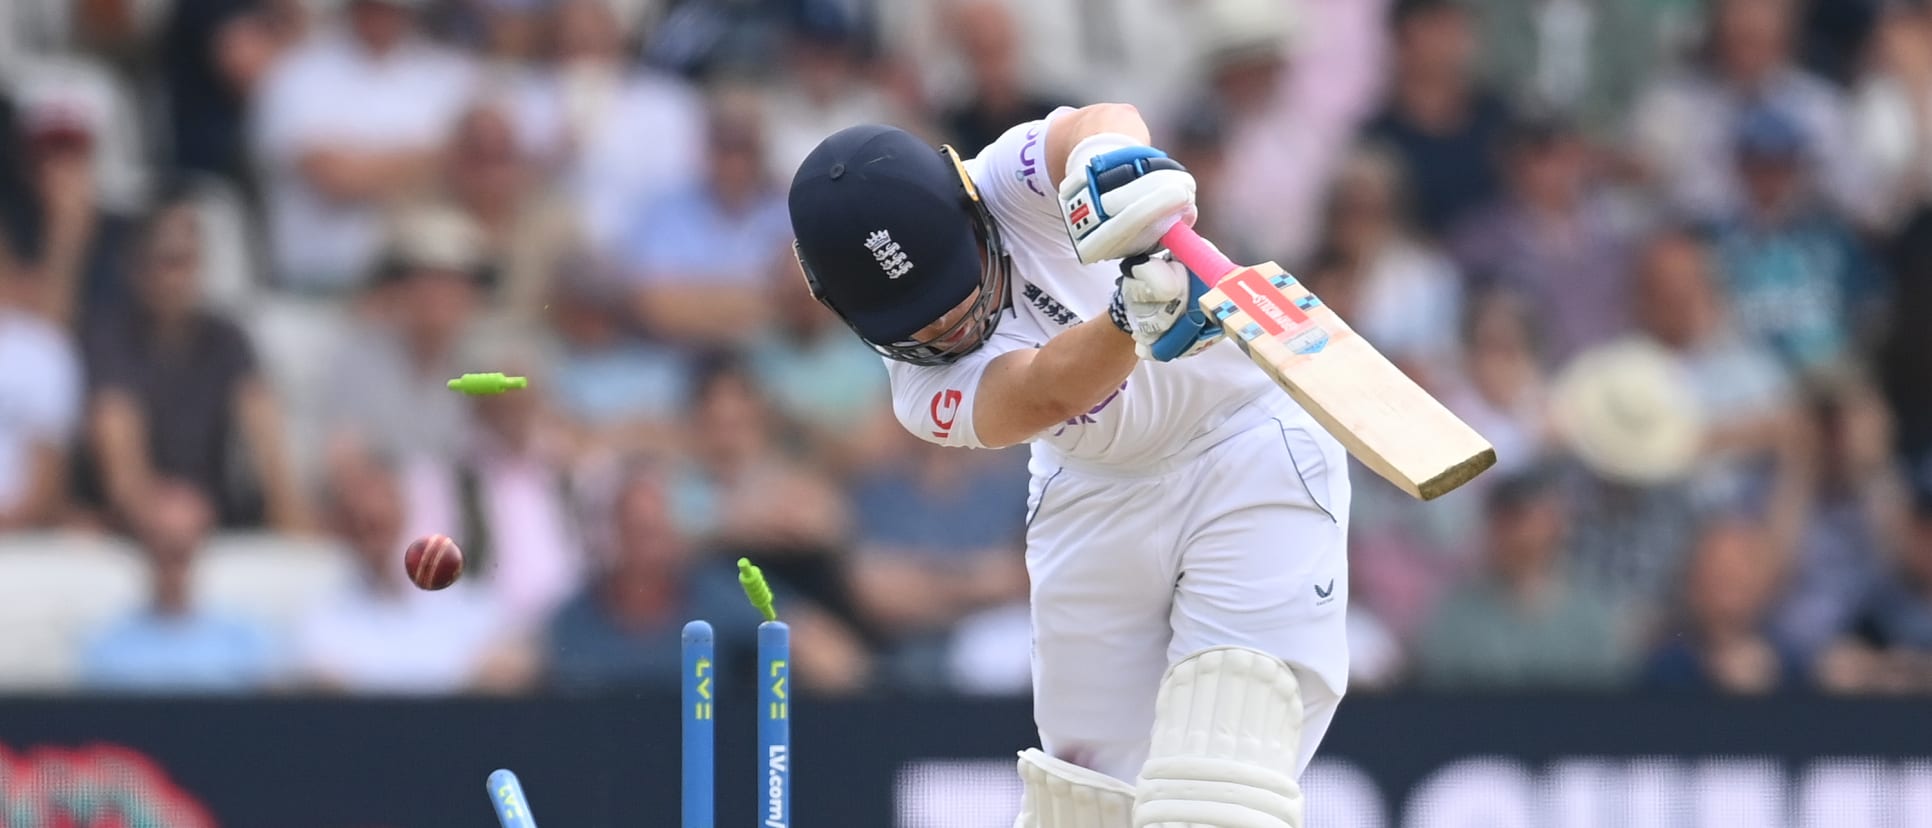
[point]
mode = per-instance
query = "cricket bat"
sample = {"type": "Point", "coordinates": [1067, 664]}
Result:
{"type": "Point", "coordinates": [1384, 419]}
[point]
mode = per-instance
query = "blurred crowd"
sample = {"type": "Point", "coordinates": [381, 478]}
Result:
{"type": "Point", "coordinates": [1674, 257]}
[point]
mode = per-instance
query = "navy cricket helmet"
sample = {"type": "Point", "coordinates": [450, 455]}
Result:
{"type": "Point", "coordinates": [892, 236]}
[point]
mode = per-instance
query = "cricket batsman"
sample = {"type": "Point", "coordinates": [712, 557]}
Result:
{"type": "Point", "coordinates": [1186, 519]}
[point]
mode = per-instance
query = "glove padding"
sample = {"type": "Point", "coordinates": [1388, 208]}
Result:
{"type": "Point", "coordinates": [1118, 203]}
{"type": "Point", "coordinates": [1158, 303]}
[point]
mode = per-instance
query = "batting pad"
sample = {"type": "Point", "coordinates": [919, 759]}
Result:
{"type": "Point", "coordinates": [1227, 733]}
{"type": "Point", "coordinates": [1061, 794]}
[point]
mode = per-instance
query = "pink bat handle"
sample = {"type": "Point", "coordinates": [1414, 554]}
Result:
{"type": "Point", "coordinates": [1195, 252]}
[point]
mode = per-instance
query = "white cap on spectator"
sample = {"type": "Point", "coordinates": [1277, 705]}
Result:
{"type": "Point", "coordinates": [436, 237]}
{"type": "Point", "coordinates": [56, 104]}
{"type": "Point", "coordinates": [1233, 30]}
{"type": "Point", "coordinates": [1628, 412]}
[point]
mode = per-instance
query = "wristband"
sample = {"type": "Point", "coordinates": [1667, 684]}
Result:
{"type": "Point", "coordinates": [1117, 310]}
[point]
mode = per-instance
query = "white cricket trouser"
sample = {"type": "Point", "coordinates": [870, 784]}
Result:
{"type": "Point", "coordinates": [1243, 544]}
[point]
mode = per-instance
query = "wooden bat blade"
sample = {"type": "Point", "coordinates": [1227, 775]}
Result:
{"type": "Point", "coordinates": [1384, 419]}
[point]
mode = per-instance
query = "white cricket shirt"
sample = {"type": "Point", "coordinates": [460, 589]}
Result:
{"type": "Point", "coordinates": [1163, 414]}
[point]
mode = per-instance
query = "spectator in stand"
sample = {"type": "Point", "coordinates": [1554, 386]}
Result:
{"type": "Point", "coordinates": [526, 231]}
{"type": "Point", "coordinates": [92, 89]}
{"type": "Point", "coordinates": [351, 121]}
{"type": "Point", "coordinates": [1405, 554]}
{"type": "Point", "coordinates": [1683, 125]}
{"type": "Point", "coordinates": [1439, 118]}
{"type": "Point", "coordinates": [1523, 622]}
{"type": "Point", "coordinates": [1286, 91]}
{"type": "Point", "coordinates": [506, 498]}
{"type": "Point", "coordinates": [699, 256]}
{"type": "Point", "coordinates": [1404, 295]}
{"type": "Point", "coordinates": [1796, 274]}
{"type": "Point", "coordinates": [1555, 236]}
{"type": "Point", "coordinates": [1200, 143]}
{"type": "Point", "coordinates": [174, 644]}
{"type": "Point", "coordinates": [622, 631]}
{"type": "Point", "coordinates": [824, 84]}
{"type": "Point", "coordinates": [510, 36]}
{"type": "Point", "coordinates": [66, 238]}
{"type": "Point", "coordinates": [1755, 454]}
{"type": "Point", "coordinates": [617, 390]}
{"type": "Point", "coordinates": [214, 54]}
{"type": "Point", "coordinates": [939, 540]}
{"type": "Point", "coordinates": [740, 493]}
{"type": "Point", "coordinates": [40, 411]}
{"type": "Point", "coordinates": [1381, 275]}
{"type": "Point", "coordinates": [1587, 59]}
{"type": "Point", "coordinates": [1860, 510]}
{"type": "Point", "coordinates": [1721, 641]}
{"type": "Point", "coordinates": [1627, 414]}
{"type": "Point", "coordinates": [1500, 390]}
{"type": "Point", "coordinates": [419, 315]}
{"type": "Point", "coordinates": [1892, 110]}
{"type": "Point", "coordinates": [820, 377]}
{"type": "Point", "coordinates": [1887, 646]}
{"type": "Point", "coordinates": [382, 634]}
{"type": "Point", "coordinates": [174, 390]}
{"type": "Point", "coordinates": [584, 112]}
{"type": "Point", "coordinates": [988, 37]}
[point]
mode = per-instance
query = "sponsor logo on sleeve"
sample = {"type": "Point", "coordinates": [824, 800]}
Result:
{"type": "Point", "coordinates": [945, 411]}
{"type": "Point", "coordinates": [1030, 161]}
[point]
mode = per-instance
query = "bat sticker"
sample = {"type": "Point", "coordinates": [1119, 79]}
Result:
{"type": "Point", "coordinates": [1272, 312]}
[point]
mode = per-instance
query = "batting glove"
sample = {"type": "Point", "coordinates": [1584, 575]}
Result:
{"type": "Point", "coordinates": [1119, 196]}
{"type": "Point", "coordinates": [1157, 301]}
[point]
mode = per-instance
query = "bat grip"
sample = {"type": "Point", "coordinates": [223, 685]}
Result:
{"type": "Point", "coordinates": [1195, 252]}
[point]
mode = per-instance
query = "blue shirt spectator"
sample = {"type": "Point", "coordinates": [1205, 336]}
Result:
{"type": "Point", "coordinates": [941, 510]}
{"type": "Point", "coordinates": [624, 628]}
{"type": "Point", "coordinates": [606, 378]}
{"type": "Point", "coordinates": [820, 376]}
{"type": "Point", "coordinates": [198, 651]}
{"type": "Point", "coordinates": [701, 235]}
{"type": "Point", "coordinates": [699, 255]}
{"type": "Point", "coordinates": [593, 645]}
{"type": "Point", "coordinates": [939, 544]}
{"type": "Point", "coordinates": [174, 645]}
{"type": "Point", "coordinates": [1798, 278]}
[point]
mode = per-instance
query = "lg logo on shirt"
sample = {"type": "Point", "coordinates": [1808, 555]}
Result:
{"type": "Point", "coordinates": [945, 410]}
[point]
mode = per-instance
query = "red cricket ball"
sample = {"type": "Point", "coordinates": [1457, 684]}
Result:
{"type": "Point", "coordinates": [433, 562]}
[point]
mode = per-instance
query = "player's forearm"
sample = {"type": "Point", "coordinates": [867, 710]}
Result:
{"type": "Point", "coordinates": [690, 313]}
{"type": "Point", "coordinates": [1080, 367]}
{"type": "Point", "coordinates": [262, 428]}
{"type": "Point", "coordinates": [120, 442]}
{"type": "Point", "coordinates": [1026, 392]}
{"type": "Point", "coordinates": [58, 272]}
{"type": "Point", "coordinates": [367, 176]}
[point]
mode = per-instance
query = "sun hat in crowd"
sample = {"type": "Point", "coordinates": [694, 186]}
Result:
{"type": "Point", "coordinates": [1628, 411]}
